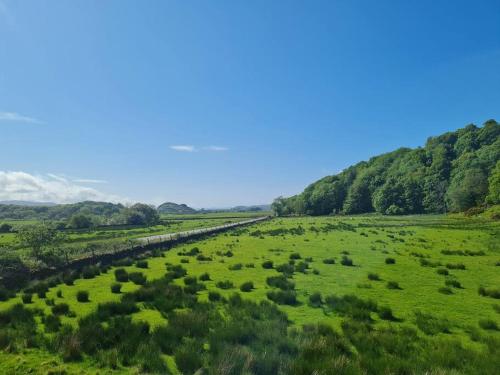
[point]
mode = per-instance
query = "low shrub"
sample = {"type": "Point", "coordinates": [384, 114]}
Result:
{"type": "Point", "coordinates": [184, 260]}
{"type": "Point", "coordinates": [121, 275]}
{"type": "Point", "coordinates": [453, 283]}
{"type": "Point", "coordinates": [82, 296]}
{"type": "Point", "coordinates": [315, 300]}
{"type": "Point", "coordinates": [488, 324]}
{"type": "Point", "coordinates": [52, 323]}
{"type": "Point", "coordinates": [214, 296]}
{"type": "Point", "coordinates": [280, 282]}
{"type": "Point", "coordinates": [246, 286]}
{"type": "Point", "coordinates": [60, 309]}
{"type": "Point", "coordinates": [190, 280]}
{"type": "Point", "coordinates": [203, 258]}
{"type": "Point", "coordinates": [390, 261]}
{"type": "Point", "coordinates": [205, 277]}
{"type": "Point", "coordinates": [283, 297]}
{"type": "Point", "coordinates": [287, 269]}
{"type": "Point", "coordinates": [329, 261]}
{"type": "Point", "coordinates": [59, 293]}
{"type": "Point", "coordinates": [301, 267]}
{"type": "Point", "coordinates": [175, 272]}
{"type": "Point", "coordinates": [90, 272]}
{"type": "Point", "coordinates": [141, 263]}
{"type": "Point", "coordinates": [137, 278]}
{"type": "Point", "coordinates": [443, 271]}
{"type": "Point", "coordinates": [295, 256]}
{"type": "Point", "coordinates": [125, 262]}
{"type": "Point", "coordinates": [430, 324]}
{"type": "Point", "coordinates": [373, 276]}
{"type": "Point", "coordinates": [224, 284]}
{"type": "Point", "coordinates": [346, 261]}
{"type": "Point", "coordinates": [116, 288]}
{"type": "Point", "coordinates": [429, 263]}
{"type": "Point", "coordinates": [268, 264]}
{"type": "Point", "coordinates": [393, 285]}
{"type": "Point", "coordinates": [385, 313]}
{"type": "Point", "coordinates": [235, 267]}
{"type": "Point", "coordinates": [493, 293]}
{"type": "Point", "coordinates": [455, 266]}
{"type": "Point", "coordinates": [27, 298]}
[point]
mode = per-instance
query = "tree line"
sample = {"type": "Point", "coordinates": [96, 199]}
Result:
{"type": "Point", "coordinates": [453, 172]}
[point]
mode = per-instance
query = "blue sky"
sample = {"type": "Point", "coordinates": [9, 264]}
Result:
{"type": "Point", "coordinates": [263, 96]}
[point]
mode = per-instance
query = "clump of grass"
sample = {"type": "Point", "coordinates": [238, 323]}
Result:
{"type": "Point", "coordinates": [302, 267]}
{"type": "Point", "coordinates": [175, 272]}
{"type": "Point", "coordinates": [442, 271]}
{"type": "Point", "coordinates": [125, 262]}
{"type": "Point", "coordinates": [315, 300]}
{"type": "Point", "coordinates": [393, 285]}
{"type": "Point", "coordinates": [121, 275]}
{"type": "Point", "coordinates": [60, 309]}
{"type": "Point", "coordinates": [52, 323]}
{"type": "Point", "coordinates": [82, 296]}
{"type": "Point", "coordinates": [27, 298]}
{"type": "Point", "coordinates": [90, 272]}
{"type": "Point", "coordinates": [190, 280]}
{"type": "Point", "coordinates": [268, 264]}
{"type": "Point", "coordinates": [430, 324]}
{"type": "Point", "coordinates": [329, 261]}
{"type": "Point", "coordinates": [203, 258]}
{"type": "Point", "coordinates": [283, 297]}
{"type": "Point", "coordinates": [315, 271]}
{"type": "Point", "coordinates": [235, 267]}
{"type": "Point", "coordinates": [116, 288]}
{"type": "Point", "coordinates": [250, 265]}
{"type": "Point", "coordinates": [137, 278]}
{"type": "Point", "coordinates": [280, 282]}
{"type": "Point", "coordinates": [59, 293]}
{"type": "Point", "coordinates": [385, 313]}
{"type": "Point", "coordinates": [295, 256]}
{"type": "Point", "coordinates": [488, 324]}
{"type": "Point", "coordinates": [224, 284]}
{"type": "Point", "coordinates": [346, 261]}
{"type": "Point", "coordinates": [493, 293]}
{"type": "Point", "coordinates": [455, 266]}
{"type": "Point", "coordinates": [445, 290]}
{"type": "Point", "coordinates": [285, 268]}
{"type": "Point", "coordinates": [214, 296]}
{"type": "Point", "coordinates": [429, 263]}
{"type": "Point", "coordinates": [141, 263]}
{"type": "Point", "coordinates": [373, 276]}
{"type": "Point", "coordinates": [184, 260]}
{"type": "Point", "coordinates": [453, 283]}
{"type": "Point", "coordinates": [205, 277]}
{"type": "Point", "coordinates": [246, 286]}
{"type": "Point", "coordinates": [390, 261]}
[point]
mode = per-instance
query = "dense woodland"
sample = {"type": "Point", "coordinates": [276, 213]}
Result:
{"type": "Point", "coordinates": [453, 172]}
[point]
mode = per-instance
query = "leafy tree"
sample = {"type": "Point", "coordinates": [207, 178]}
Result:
{"type": "Point", "coordinates": [80, 221]}
{"type": "Point", "coordinates": [467, 190]}
{"type": "Point", "coordinates": [5, 228]}
{"type": "Point", "coordinates": [38, 238]}
{"type": "Point", "coordinates": [494, 186]}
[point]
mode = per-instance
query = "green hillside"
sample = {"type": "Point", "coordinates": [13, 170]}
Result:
{"type": "Point", "coordinates": [174, 208]}
{"type": "Point", "coordinates": [453, 172]}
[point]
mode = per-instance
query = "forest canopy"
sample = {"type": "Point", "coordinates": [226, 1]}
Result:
{"type": "Point", "coordinates": [453, 172]}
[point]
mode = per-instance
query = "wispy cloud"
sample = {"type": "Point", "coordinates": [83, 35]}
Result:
{"type": "Point", "coordinates": [215, 148]}
{"type": "Point", "coordinates": [183, 148]}
{"type": "Point", "coordinates": [48, 188]}
{"type": "Point", "coordinates": [90, 181]}
{"type": "Point", "coordinates": [16, 117]}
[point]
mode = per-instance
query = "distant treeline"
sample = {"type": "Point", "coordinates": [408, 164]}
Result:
{"type": "Point", "coordinates": [454, 172]}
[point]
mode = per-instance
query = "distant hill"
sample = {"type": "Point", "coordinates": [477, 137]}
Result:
{"type": "Point", "coordinates": [27, 203]}
{"type": "Point", "coordinates": [174, 208]}
{"type": "Point", "coordinates": [452, 172]}
{"type": "Point", "coordinates": [58, 211]}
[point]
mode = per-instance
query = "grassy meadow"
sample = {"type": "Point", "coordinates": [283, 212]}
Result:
{"type": "Point", "coordinates": [437, 275]}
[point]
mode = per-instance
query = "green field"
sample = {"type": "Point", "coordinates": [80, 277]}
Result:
{"type": "Point", "coordinates": [426, 269]}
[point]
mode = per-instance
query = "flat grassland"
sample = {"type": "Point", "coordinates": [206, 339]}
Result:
{"type": "Point", "coordinates": [424, 268]}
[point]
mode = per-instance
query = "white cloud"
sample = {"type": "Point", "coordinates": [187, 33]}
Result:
{"type": "Point", "coordinates": [16, 117]}
{"type": "Point", "coordinates": [215, 148]}
{"type": "Point", "coordinates": [183, 148]}
{"type": "Point", "coordinates": [48, 188]}
{"type": "Point", "coordinates": [90, 181]}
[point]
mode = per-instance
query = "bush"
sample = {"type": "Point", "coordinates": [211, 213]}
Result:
{"type": "Point", "coordinates": [393, 285]}
{"type": "Point", "coordinates": [214, 296]}
{"type": "Point", "coordinates": [90, 272]}
{"type": "Point", "coordinates": [59, 293]}
{"type": "Point", "coordinates": [295, 256]}
{"type": "Point", "coordinates": [385, 313]}
{"type": "Point", "coordinates": [116, 288]}
{"type": "Point", "coordinates": [27, 298]}
{"type": "Point", "coordinates": [488, 324]}
{"type": "Point", "coordinates": [141, 263]}
{"type": "Point", "coordinates": [286, 268]}
{"type": "Point", "coordinates": [225, 284]}
{"type": "Point", "coordinates": [52, 323]}
{"type": "Point", "coordinates": [390, 261]}
{"type": "Point", "coordinates": [184, 260]}
{"type": "Point", "coordinates": [493, 293]}
{"type": "Point", "coordinates": [203, 258]}
{"type": "Point", "coordinates": [346, 261]}
{"type": "Point", "coordinates": [246, 286]}
{"type": "Point", "coordinates": [205, 277]}
{"type": "Point", "coordinates": [268, 264]}
{"type": "Point", "coordinates": [329, 261]}
{"type": "Point", "coordinates": [280, 282]}
{"type": "Point", "coordinates": [175, 272]}
{"type": "Point", "coordinates": [125, 262]}
{"type": "Point", "coordinates": [456, 266]}
{"type": "Point", "coordinates": [235, 267]}
{"type": "Point", "coordinates": [431, 325]}
{"type": "Point", "coordinates": [190, 280]}
{"type": "Point", "coordinates": [373, 276]}
{"type": "Point", "coordinates": [121, 275]}
{"type": "Point", "coordinates": [315, 299]}
{"type": "Point", "coordinates": [137, 278]}
{"type": "Point", "coordinates": [453, 283]}
{"type": "Point", "coordinates": [443, 271]}
{"type": "Point", "coordinates": [60, 309]}
{"type": "Point", "coordinates": [82, 296]}
{"type": "Point", "coordinates": [283, 297]}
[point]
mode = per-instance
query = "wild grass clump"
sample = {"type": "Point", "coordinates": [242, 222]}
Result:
{"type": "Point", "coordinates": [121, 275]}
{"type": "Point", "coordinates": [329, 261]}
{"type": "Point", "coordinates": [27, 298]}
{"type": "Point", "coordinates": [489, 292]}
{"type": "Point", "coordinates": [247, 286]}
{"type": "Point", "coordinates": [445, 290]}
{"type": "Point", "coordinates": [214, 296]}
{"type": "Point", "coordinates": [346, 261]}
{"type": "Point", "coordinates": [203, 258]}
{"type": "Point", "coordinates": [116, 288]}
{"type": "Point", "coordinates": [351, 306]}
{"type": "Point", "coordinates": [295, 256]}
{"type": "Point", "coordinates": [90, 272]}
{"type": "Point", "coordinates": [235, 267]}
{"type": "Point", "coordinates": [60, 309]}
{"type": "Point", "coordinates": [52, 323]}
{"type": "Point", "coordinates": [280, 282]}
{"type": "Point", "coordinates": [430, 324]}
{"type": "Point", "coordinates": [175, 272]}
{"type": "Point", "coordinates": [429, 263]}
{"type": "Point", "coordinates": [443, 271]}
{"type": "Point", "coordinates": [125, 262]}
{"type": "Point", "coordinates": [453, 283]}
{"type": "Point", "coordinates": [82, 296]}
{"type": "Point", "coordinates": [285, 268]}
{"type": "Point", "coordinates": [141, 263]}
{"type": "Point", "coordinates": [268, 264]}
{"type": "Point", "coordinates": [302, 267]}
{"type": "Point", "coordinates": [137, 278]}
{"type": "Point", "coordinates": [373, 276]}
{"type": "Point", "coordinates": [109, 309]}
{"type": "Point", "coordinates": [283, 297]}
{"type": "Point", "coordinates": [488, 324]}
{"type": "Point", "coordinates": [315, 300]}
{"type": "Point", "coordinates": [393, 285]}
{"type": "Point", "coordinates": [385, 313]}
{"type": "Point", "coordinates": [390, 261]}
{"type": "Point", "coordinates": [455, 266]}
{"type": "Point", "coordinates": [224, 284]}
{"type": "Point", "coordinates": [205, 276]}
